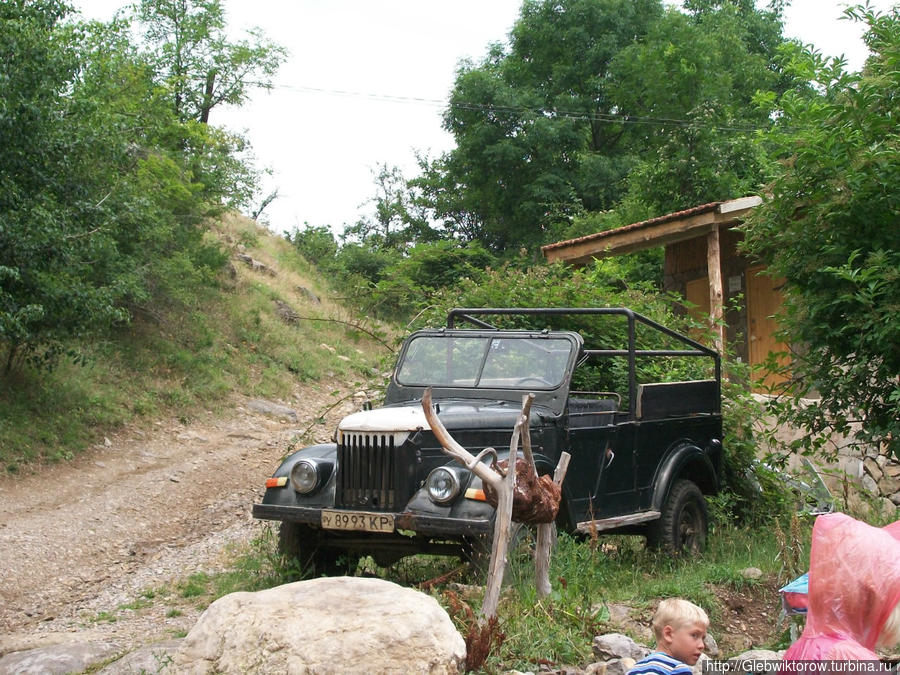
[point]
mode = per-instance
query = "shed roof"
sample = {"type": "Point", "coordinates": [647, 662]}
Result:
{"type": "Point", "coordinates": [658, 231]}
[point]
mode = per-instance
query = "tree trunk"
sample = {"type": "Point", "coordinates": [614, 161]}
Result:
{"type": "Point", "coordinates": [208, 96]}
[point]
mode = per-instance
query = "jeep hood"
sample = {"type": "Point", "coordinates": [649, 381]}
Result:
{"type": "Point", "coordinates": [454, 413]}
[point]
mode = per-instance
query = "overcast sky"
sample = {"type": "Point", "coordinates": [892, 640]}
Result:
{"type": "Point", "coordinates": [394, 61]}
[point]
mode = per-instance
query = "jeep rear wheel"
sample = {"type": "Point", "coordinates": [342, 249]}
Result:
{"type": "Point", "coordinates": [305, 545]}
{"type": "Point", "coordinates": [683, 522]}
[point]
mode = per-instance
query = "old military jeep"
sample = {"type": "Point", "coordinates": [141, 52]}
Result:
{"type": "Point", "coordinates": [643, 453]}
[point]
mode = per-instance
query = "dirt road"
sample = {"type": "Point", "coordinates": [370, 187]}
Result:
{"type": "Point", "coordinates": [84, 543]}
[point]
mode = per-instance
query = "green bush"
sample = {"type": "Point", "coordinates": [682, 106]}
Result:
{"type": "Point", "coordinates": [316, 244]}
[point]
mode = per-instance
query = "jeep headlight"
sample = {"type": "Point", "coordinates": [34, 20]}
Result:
{"type": "Point", "coordinates": [443, 485]}
{"type": "Point", "coordinates": [306, 476]}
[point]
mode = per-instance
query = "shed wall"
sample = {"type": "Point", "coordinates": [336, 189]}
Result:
{"type": "Point", "coordinates": [685, 261]}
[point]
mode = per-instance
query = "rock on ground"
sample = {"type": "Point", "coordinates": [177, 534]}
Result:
{"type": "Point", "coordinates": [154, 659]}
{"type": "Point", "coordinates": [756, 655]}
{"type": "Point", "coordinates": [328, 625]}
{"type": "Point", "coordinates": [617, 646]}
{"type": "Point", "coordinates": [274, 409]}
{"type": "Point", "coordinates": [57, 659]}
{"type": "Point", "coordinates": [612, 667]}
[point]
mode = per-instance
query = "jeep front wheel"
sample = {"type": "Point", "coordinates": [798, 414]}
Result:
{"type": "Point", "coordinates": [304, 544]}
{"type": "Point", "coordinates": [683, 521]}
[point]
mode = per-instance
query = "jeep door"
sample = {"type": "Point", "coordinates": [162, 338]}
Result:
{"type": "Point", "coordinates": [601, 481]}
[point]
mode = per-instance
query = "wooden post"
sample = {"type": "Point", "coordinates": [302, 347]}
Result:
{"type": "Point", "coordinates": [716, 291]}
{"type": "Point", "coordinates": [545, 537]}
{"type": "Point", "coordinates": [503, 486]}
{"type": "Point", "coordinates": [502, 531]}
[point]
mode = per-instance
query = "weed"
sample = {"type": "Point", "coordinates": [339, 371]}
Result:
{"type": "Point", "coordinates": [173, 613]}
{"type": "Point", "coordinates": [135, 605]}
{"type": "Point", "coordinates": [105, 617]}
{"type": "Point", "coordinates": [790, 549]}
{"type": "Point", "coordinates": [195, 586]}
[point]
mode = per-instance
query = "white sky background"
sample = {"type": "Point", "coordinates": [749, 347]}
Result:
{"type": "Point", "coordinates": [323, 147]}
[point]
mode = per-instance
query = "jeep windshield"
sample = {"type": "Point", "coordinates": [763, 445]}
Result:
{"type": "Point", "coordinates": [484, 362]}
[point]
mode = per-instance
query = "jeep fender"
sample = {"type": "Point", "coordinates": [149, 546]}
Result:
{"type": "Point", "coordinates": [475, 508]}
{"type": "Point", "coordinates": [324, 497]}
{"type": "Point", "coordinates": [684, 460]}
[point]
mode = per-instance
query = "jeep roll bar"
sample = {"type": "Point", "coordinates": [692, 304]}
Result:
{"type": "Point", "coordinates": [696, 349]}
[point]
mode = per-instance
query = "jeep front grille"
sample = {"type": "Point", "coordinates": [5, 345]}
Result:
{"type": "Point", "coordinates": [368, 475]}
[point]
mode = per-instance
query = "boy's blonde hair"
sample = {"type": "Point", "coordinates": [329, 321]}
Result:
{"type": "Point", "coordinates": [677, 613]}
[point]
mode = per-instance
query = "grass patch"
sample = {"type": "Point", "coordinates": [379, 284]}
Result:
{"type": "Point", "coordinates": [253, 568]}
{"type": "Point", "coordinates": [187, 357]}
{"type": "Point", "coordinates": [195, 586]}
{"type": "Point", "coordinates": [135, 605]}
{"type": "Point", "coordinates": [105, 617]}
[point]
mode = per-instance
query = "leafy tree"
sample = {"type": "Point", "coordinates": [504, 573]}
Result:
{"type": "Point", "coordinates": [156, 196]}
{"type": "Point", "coordinates": [690, 86]}
{"type": "Point", "coordinates": [409, 283]}
{"type": "Point", "coordinates": [531, 123]}
{"type": "Point", "coordinates": [830, 229]}
{"type": "Point", "coordinates": [316, 244]}
{"type": "Point", "coordinates": [53, 256]}
{"type": "Point", "coordinates": [104, 191]}
{"type": "Point", "coordinates": [398, 220]}
{"type": "Point", "coordinates": [198, 63]}
{"type": "Point", "coordinates": [594, 100]}
{"type": "Point", "coordinates": [362, 263]}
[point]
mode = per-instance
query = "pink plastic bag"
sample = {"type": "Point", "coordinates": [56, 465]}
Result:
{"type": "Point", "coordinates": [854, 585]}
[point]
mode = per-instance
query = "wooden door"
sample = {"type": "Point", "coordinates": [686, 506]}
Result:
{"type": "Point", "coordinates": [697, 293]}
{"type": "Point", "coordinates": [764, 299]}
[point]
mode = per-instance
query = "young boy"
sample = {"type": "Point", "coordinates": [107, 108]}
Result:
{"type": "Point", "coordinates": [680, 628]}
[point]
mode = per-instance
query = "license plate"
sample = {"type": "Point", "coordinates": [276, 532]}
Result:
{"type": "Point", "coordinates": [357, 520]}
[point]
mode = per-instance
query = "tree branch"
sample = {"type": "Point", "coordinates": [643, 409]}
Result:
{"type": "Point", "coordinates": [352, 325]}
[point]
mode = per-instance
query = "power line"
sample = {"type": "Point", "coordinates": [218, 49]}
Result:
{"type": "Point", "coordinates": [607, 118]}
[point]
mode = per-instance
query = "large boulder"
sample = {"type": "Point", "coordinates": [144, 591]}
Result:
{"type": "Point", "coordinates": [328, 625]}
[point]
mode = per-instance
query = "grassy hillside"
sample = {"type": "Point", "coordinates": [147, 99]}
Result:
{"type": "Point", "coordinates": [242, 337]}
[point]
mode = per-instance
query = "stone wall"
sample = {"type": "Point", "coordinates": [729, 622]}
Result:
{"type": "Point", "coordinates": [872, 476]}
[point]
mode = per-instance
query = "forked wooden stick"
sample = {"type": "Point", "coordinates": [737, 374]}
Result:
{"type": "Point", "coordinates": [504, 487]}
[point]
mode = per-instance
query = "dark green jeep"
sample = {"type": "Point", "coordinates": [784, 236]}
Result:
{"type": "Point", "coordinates": [642, 456]}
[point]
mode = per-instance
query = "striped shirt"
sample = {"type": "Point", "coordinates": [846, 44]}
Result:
{"type": "Point", "coordinates": [660, 663]}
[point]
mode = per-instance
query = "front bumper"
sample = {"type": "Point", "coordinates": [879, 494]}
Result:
{"type": "Point", "coordinates": [416, 522]}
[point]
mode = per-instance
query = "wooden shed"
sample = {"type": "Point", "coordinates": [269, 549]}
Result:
{"type": "Point", "coordinates": [703, 264]}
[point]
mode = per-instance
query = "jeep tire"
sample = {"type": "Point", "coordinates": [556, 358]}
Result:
{"type": "Point", "coordinates": [683, 522]}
